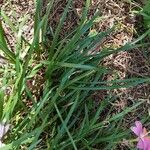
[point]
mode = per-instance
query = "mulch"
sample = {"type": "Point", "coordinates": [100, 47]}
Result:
{"type": "Point", "coordinates": [16, 11]}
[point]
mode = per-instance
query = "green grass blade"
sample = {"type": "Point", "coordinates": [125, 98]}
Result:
{"type": "Point", "coordinates": [58, 29]}
{"type": "Point", "coordinates": [65, 127]}
{"type": "Point", "coordinates": [4, 47]}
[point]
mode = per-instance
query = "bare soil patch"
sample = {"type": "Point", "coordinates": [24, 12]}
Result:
{"type": "Point", "coordinates": [16, 11]}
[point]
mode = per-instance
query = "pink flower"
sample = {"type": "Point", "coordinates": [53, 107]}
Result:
{"type": "Point", "coordinates": [143, 138]}
{"type": "Point", "coordinates": [3, 130]}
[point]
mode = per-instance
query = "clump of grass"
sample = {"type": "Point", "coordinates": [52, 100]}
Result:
{"type": "Point", "coordinates": [144, 11]}
{"type": "Point", "coordinates": [63, 116]}
{"type": "Point", "coordinates": [146, 14]}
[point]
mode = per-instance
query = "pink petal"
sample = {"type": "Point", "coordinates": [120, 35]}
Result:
{"type": "Point", "coordinates": [138, 128]}
{"type": "Point", "coordinates": [146, 141]}
{"type": "Point", "coordinates": [140, 144]}
{"type": "Point", "coordinates": [3, 129]}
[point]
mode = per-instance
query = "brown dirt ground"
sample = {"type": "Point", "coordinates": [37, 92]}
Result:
{"type": "Point", "coordinates": [124, 64]}
{"type": "Point", "coordinates": [16, 10]}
